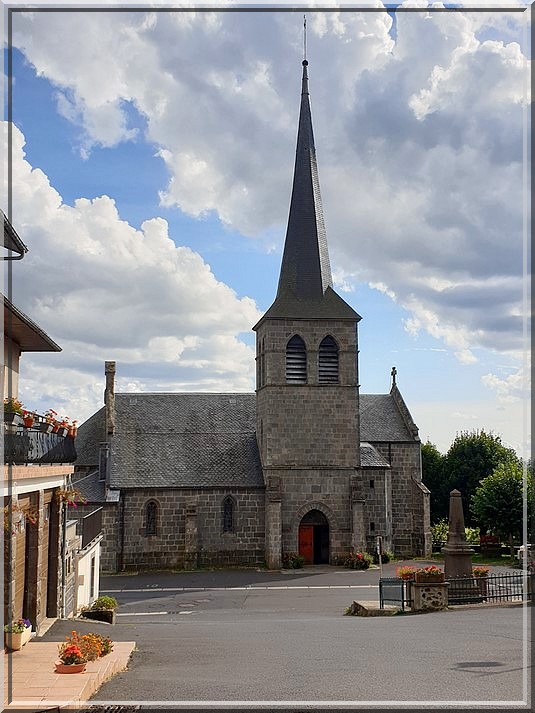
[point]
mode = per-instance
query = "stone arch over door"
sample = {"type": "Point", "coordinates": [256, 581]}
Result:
{"type": "Point", "coordinates": [313, 527]}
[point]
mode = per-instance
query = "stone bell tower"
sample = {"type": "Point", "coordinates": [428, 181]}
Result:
{"type": "Point", "coordinates": [307, 384]}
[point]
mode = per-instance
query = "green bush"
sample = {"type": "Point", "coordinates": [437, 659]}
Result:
{"type": "Point", "coordinates": [472, 535]}
{"type": "Point", "coordinates": [105, 603]}
{"type": "Point", "coordinates": [439, 532]}
{"type": "Point", "coordinates": [358, 560]}
{"type": "Point", "coordinates": [291, 560]}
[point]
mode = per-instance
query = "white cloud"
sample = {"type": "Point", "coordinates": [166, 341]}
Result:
{"type": "Point", "coordinates": [419, 143]}
{"type": "Point", "coordinates": [515, 387]}
{"type": "Point", "coordinates": [104, 290]}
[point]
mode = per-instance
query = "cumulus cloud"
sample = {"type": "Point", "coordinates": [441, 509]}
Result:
{"type": "Point", "coordinates": [515, 387]}
{"type": "Point", "coordinates": [418, 131]}
{"type": "Point", "coordinates": [105, 290]}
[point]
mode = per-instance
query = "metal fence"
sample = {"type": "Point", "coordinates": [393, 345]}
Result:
{"type": "Point", "coordinates": [28, 446]}
{"type": "Point", "coordinates": [509, 587]}
{"type": "Point", "coordinates": [393, 590]}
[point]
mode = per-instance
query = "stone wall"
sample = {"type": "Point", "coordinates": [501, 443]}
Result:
{"type": "Point", "coordinates": [378, 501]}
{"type": "Point", "coordinates": [189, 529]}
{"type": "Point", "coordinates": [308, 425]}
{"type": "Point", "coordinates": [324, 490]}
{"type": "Point", "coordinates": [408, 499]}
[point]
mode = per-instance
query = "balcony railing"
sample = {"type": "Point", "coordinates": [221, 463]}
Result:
{"type": "Point", "coordinates": [89, 526]}
{"type": "Point", "coordinates": [33, 445]}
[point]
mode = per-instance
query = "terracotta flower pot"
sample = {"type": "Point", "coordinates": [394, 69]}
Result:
{"type": "Point", "coordinates": [69, 667]}
{"type": "Point", "coordinates": [28, 421]}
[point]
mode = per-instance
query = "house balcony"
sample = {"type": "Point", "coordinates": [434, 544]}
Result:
{"type": "Point", "coordinates": [24, 445]}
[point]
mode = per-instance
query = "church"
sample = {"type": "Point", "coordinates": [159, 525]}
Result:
{"type": "Point", "coordinates": [304, 465]}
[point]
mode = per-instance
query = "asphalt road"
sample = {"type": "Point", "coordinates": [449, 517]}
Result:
{"type": "Point", "coordinates": [264, 636]}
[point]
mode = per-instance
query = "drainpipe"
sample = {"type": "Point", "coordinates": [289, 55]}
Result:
{"type": "Point", "coordinates": [121, 549]}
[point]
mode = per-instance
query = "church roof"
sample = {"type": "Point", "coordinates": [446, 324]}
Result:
{"type": "Point", "coordinates": [305, 282]}
{"type": "Point", "coordinates": [371, 458]}
{"type": "Point", "coordinates": [173, 440]}
{"type": "Point", "coordinates": [185, 441]}
{"type": "Point", "coordinates": [381, 420]}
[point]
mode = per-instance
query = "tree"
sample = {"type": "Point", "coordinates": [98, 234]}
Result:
{"type": "Point", "coordinates": [498, 501]}
{"type": "Point", "coordinates": [434, 477]}
{"type": "Point", "coordinates": [473, 456]}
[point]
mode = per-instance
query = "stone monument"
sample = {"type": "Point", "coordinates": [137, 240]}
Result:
{"type": "Point", "coordinates": [457, 553]}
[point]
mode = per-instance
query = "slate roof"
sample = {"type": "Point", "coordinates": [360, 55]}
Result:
{"type": "Point", "coordinates": [90, 487]}
{"type": "Point", "coordinates": [90, 435]}
{"type": "Point", "coordinates": [185, 440]}
{"type": "Point", "coordinates": [380, 420]}
{"type": "Point", "coordinates": [371, 458]}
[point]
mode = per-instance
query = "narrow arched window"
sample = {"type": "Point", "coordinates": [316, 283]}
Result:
{"type": "Point", "coordinates": [328, 361]}
{"type": "Point", "coordinates": [296, 361]}
{"type": "Point", "coordinates": [151, 518]}
{"type": "Point", "coordinates": [228, 514]}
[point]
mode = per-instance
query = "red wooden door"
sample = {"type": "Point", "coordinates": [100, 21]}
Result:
{"type": "Point", "coordinates": [306, 543]}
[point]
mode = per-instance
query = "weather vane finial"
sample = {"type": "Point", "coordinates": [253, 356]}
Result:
{"type": "Point", "coordinates": [304, 38]}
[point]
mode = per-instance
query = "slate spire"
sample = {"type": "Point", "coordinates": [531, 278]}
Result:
{"type": "Point", "coordinates": [305, 288]}
{"type": "Point", "coordinates": [305, 270]}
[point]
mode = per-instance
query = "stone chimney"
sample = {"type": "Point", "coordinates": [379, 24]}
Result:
{"type": "Point", "coordinates": [109, 397]}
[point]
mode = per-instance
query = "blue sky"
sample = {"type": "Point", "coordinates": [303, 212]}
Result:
{"type": "Point", "coordinates": [191, 118]}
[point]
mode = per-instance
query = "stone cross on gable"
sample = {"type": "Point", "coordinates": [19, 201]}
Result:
{"type": "Point", "coordinates": [393, 375]}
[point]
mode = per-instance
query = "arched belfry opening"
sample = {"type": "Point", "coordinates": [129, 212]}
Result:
{"type": "Point", "coordinates": [314, 538]}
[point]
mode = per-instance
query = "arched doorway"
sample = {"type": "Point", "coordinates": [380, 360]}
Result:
{"type": "Point", "coordinates": [314, 538]}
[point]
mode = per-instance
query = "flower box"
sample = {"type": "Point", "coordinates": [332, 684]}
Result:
{"type": "Point", "coordinates": [107, 615]}
{"type": "Point", "coordinates": [429, 577]}
{"type": "Point", "coordinates": [16, 640]}
{"type": "Point", "coordinates": [15, 419]}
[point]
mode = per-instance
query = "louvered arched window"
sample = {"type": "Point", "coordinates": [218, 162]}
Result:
{"type": "Point", "coordinates": [151, 518]}
{"type": "Point", "coordinates": [296, 361]}
{"type": "Point", "coordinates": [228, 514]}
{"type": "Point", "coordinates": [328, 361]}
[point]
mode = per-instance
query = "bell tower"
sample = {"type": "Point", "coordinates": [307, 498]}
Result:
{"type": "Point", "coordinates": [307, 382]}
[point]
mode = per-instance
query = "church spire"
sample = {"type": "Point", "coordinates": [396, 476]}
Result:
{"type": "Point", "coordinates": [305, 270]}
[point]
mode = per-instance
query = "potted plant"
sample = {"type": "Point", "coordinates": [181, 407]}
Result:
{"type": "Point", "coordinates": [406, 573]}
{"type": "Point", "coordinates": [17, 633]}
{"type": "Point", "coordinates": [63, 426]}
{"type": "Point", "coordinates": [28, 418]}
{"type": "Point", "coordinates": [71, 658]}
{"type": "Point", "coordinates": [430, 574]}
{"type": "Point", "coordinates": [490, 546]}
{"type": "Point", "coordinates": [481, 573]}
{"type": "Point", "coordinates": [13, 411]}
{"type": "Point", "coordinates": [71, 497]}
{"type": "Point", "coordinates": [292, 560]}
{"type": "Point", "coordinates": [358, 560]}
{"type": "Point", "coordinates": [102, 609]}
{"type": "Point", "coordinates": [15, 515]}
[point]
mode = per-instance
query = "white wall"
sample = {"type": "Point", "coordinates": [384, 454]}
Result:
{"type": "Point", "coordinates": [84, 595]}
